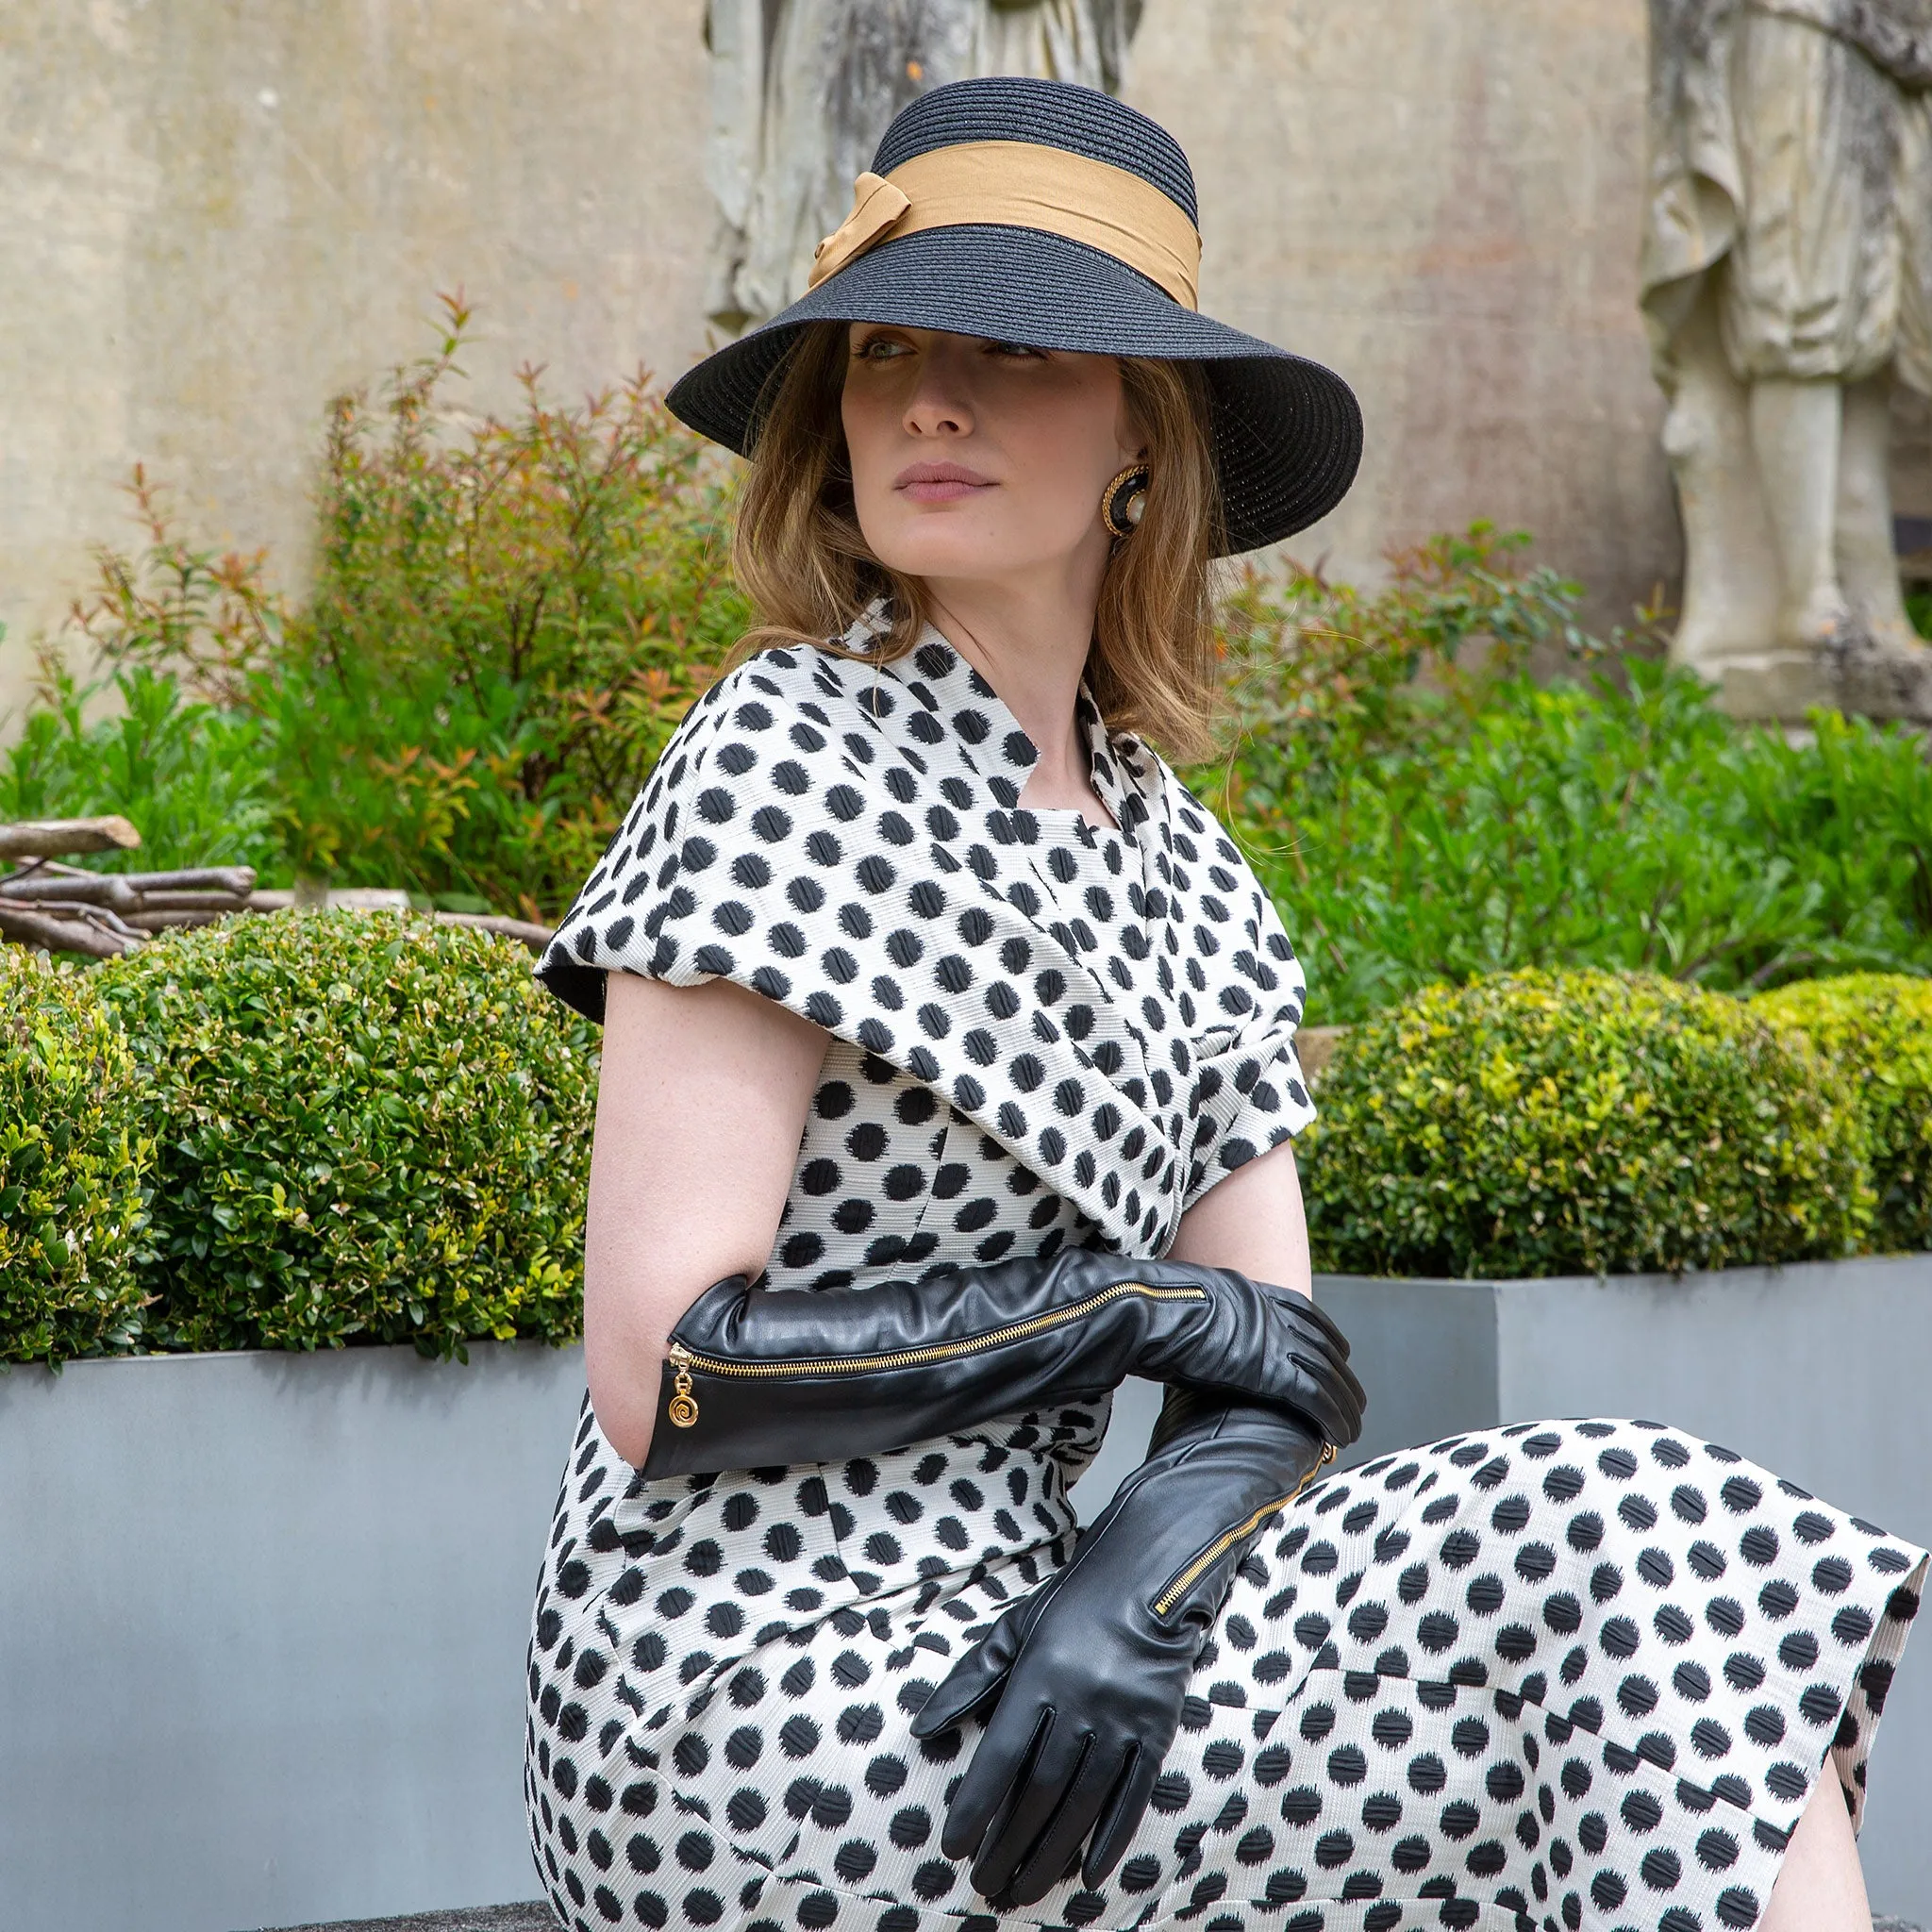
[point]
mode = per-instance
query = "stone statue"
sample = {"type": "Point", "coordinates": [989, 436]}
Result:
{"type": "Point", "coordinates": [802, 89]}
{"type": "Point", "coordinates": [1787, 283]}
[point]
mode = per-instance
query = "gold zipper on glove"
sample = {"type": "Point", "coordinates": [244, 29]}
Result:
{"type": "Point", "coordinates": [683, 1407]}
{"type": "Point", "coordinates": [1180, 1586]}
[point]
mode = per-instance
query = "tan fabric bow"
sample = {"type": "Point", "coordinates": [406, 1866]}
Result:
{"type": "Point", "coordinates": [876, 208]}
{"type": "Point", "coordinates": [1022, 185]}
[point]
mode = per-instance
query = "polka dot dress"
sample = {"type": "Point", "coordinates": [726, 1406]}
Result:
{"type": "Point", "coordinates": [1115, 1011]}
{"type": "Point", "coordinates": [1567, 1674]}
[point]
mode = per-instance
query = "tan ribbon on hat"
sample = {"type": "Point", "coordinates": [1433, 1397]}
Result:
{"type": "Point", "coordinates": [1020, 184]}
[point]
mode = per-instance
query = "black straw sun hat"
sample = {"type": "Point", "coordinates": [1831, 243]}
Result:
{"type": "Point", "coordinates": [1034, 211]}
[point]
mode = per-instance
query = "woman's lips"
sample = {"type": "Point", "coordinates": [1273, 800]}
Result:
{"type": "Point", "coordinates": [940, 483]}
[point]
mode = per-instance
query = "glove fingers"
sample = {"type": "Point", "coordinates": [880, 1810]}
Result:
{"type": "Point", "coordinates": [999, 1766]}
{"type": "Point", "coordinates": [1331, 1398]}
{"type": "Point", "coordinates": [1316, 1401]}
{"type": "Point", "coordinates": [1121, 1818]}
{"type": "Point", "coordinates": [1311, 1311]}
{"type": "Point", "coordinates": [1355, 1389]}
{"type": "Point", "coordinates": [1357, 1395]}
{"type": "Point", "coordinates": [974, 1680]}
{"type": "Point", "coordinates": [1036, 1798]}
{"type": "Point", "coordinates": [1304, 1365]}
{"type": "Point", "coordinates": [1057, 1851]}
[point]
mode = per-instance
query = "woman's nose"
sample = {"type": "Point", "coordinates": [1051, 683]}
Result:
{"type": "Point", "coordinates": [939, 403]}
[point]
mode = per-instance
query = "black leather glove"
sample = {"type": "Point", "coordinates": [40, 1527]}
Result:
{"type": "Point", "coordinates": [1091, 1670]}
{"type": "Point", "coordinates": [756, 1377]}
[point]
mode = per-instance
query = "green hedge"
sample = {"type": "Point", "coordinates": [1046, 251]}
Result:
{"type": "Point", "coordinates": [1541, 1123]}
{"type": "Point", "coordinates": [71, 1160]}
{"type": "Point", "coordinates": [1878, 1026]}
{"type": "Point", "coordinates": [369, 1128]}
{"type": "Point", "coordinates": [298, 1132]}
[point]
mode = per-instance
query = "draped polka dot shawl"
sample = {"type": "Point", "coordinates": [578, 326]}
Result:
{"type": "Point", "coordinates": [846, 837]}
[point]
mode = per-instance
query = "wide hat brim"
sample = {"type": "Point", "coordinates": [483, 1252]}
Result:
{"type": "Point", "coordinates": [1286, 432]}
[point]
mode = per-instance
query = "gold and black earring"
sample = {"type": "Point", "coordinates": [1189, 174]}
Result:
{"type": "Point", "coordinates": [1124, 502]}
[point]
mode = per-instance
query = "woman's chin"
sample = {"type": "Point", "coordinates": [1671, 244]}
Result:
{"type": "Point", "coordinates": [956, 556]}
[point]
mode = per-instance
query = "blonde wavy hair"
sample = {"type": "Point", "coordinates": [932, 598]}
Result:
{"type": "Point", "coordinates": [800, 558]}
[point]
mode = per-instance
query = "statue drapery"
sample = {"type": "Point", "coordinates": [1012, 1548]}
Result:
{"type": "Point", "coordinates": [802, 89]}
{"type": "Point", "coordinates": [1786, 279]}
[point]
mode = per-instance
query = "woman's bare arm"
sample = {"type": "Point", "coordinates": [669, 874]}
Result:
{"type": "Point", "coordinates": [701, 1105]}
{"type": "Point", "coordinates": [1252, 1223]}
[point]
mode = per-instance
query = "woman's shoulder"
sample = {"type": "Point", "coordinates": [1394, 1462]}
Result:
{"type": "Point", "coordinates": [778, 681]}
{"type": "Point", "coordinates": [795, 692]}
{"type": "Point", "coordinates": [1192, 827]}
{"type": "Point", "coordinates": [710, 824]}
{"type": "Point", "coordinates": [789, 724]}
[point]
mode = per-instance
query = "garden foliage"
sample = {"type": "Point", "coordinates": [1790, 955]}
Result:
{"type": "Point", "coordinates": [310, 1130]}
{"type": "Point", "coordinates": [72, 1160]}
{"type": "Point", "coordinates": [1422, 809]}
{"type": "Point", "coordinates": [194, 779]}
{"type": "Point", "coordinates": [368, 1127]}
{"type": "Point", "coordinates": [1328, 682]}
{"type": "Point", "coordinates": [177, 750]}
{"type": "Point", "coordinates": [1540, 1124]}
{"type": "Point", "coordinates": [506, 622]}
{"type": "Point", "coordinates": [1879, 1029]}
{"type": "Point", "coordinates": [509, 619]}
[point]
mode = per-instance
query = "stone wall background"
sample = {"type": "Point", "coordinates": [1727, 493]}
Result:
{"type": "Point", "coordinates": [217, 213]}
{"type": "Point", "coordinates": [1442, 199]}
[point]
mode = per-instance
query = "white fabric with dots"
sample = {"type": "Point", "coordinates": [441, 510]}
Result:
{"type": "Point", "coordinates": [1560, 1676]}
{"type": "Point", "coordinates": [1115, 1010]}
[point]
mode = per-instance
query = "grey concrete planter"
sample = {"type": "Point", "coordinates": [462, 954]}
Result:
{"type": "Point", "coordinates": [1820, 1372]}
{"type": "Point", "coordinates": [262, 1620]}
{"type": "Point", "coordinates": [262, 1616]}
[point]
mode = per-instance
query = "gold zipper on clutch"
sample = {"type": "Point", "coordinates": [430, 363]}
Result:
{"type": "Point", "coordinates": [683, 1407]}
{"type": "Point", "coordinates": [1180, 1586]}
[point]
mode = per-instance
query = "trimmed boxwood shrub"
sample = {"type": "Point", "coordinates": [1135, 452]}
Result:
{"type": "Point", "coordinates": [369, 1128]}
{"type": "Point", "coordinates": [71, 1160]}
{"type": "Point", "coordinates": [1540, 1124]}
{"type": "Point", "coordinates": [1878, 1027]}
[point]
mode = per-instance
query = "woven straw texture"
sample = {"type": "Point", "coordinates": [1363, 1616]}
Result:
{"type": "Point", "coordinates": [1286, 432]}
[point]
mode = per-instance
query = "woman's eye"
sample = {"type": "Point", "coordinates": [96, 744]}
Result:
{"type": "Point", "coordinates": [1018, 350]}
{"type": "Point", "coordinates": [879, 349]}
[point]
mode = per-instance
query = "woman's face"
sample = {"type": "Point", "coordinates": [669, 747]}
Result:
{"type": "Point", "coordinates": [982, 459]}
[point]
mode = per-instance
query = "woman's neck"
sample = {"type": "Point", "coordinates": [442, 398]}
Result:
{"type": "Point", "coordinates": [1031, 646]}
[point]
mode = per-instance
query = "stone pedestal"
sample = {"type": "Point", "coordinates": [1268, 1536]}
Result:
{"type": "Point", "coordinates": [1858, 676]}
{"type": "Point", "coordinates": [1773, 686]}
{"type": "Point", "coordinates": [1882, 680]}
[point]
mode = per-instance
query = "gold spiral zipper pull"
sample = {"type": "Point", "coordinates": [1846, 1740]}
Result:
{"type": "Point", "coordinates": [683, 1409]}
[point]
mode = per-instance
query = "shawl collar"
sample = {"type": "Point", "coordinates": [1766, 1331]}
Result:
{"type": "Point", "coordinates": [846, 837]}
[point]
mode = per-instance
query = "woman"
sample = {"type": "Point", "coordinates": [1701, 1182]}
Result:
{"type": "Point", "coordinates": [939, 1011]}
